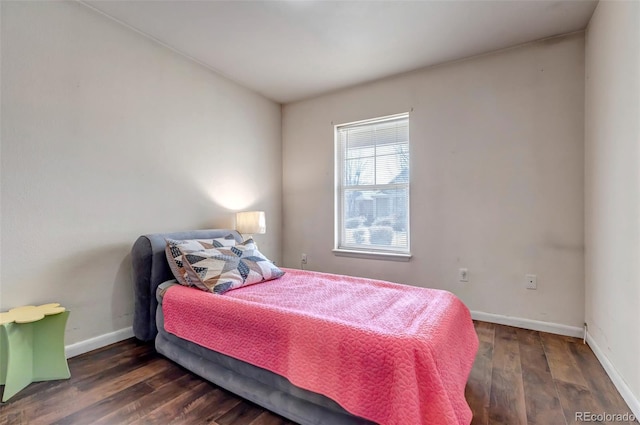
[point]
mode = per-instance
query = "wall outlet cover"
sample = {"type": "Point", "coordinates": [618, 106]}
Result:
{"type": "Point", "coordinates": [531, 281]}
{"type": "Point", "coordinates": [463, 275]}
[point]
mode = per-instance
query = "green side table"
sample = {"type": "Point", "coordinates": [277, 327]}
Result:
{"type": "Point", "coordinates": [32, 346]}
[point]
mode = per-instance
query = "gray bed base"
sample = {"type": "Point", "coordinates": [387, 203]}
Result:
{"type": "Point", "coordinates": [265, 388]}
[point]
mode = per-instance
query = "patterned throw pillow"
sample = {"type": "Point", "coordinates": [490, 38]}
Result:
{"type": "Point", "coordinates": [175, 249]}
{"type": "Point", "coordinates": [220, 270]}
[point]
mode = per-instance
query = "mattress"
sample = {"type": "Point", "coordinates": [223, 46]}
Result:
{"type": "Point", "coordinates": [391, 353]}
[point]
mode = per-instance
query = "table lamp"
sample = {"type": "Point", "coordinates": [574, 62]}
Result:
{"type": "Point", "coordinates": [249, 223]}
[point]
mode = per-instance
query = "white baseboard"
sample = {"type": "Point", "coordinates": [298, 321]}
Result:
{"type": "Point", "coordinates": [618, 381]}
{"type": "Point", "coordinates": [87, 345]}
{"type": "Point", "coordinates": [534, 325]}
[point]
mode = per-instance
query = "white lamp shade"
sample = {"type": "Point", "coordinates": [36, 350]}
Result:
{"type": "Point", "coordinates": [251, 222]}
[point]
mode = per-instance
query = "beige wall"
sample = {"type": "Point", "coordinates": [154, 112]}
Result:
{"type": "Point", "coordinates": [612, 180]}
{"type": "Point", "coordinates": [107, 135]}
{"type": "Point", "coordinates": [497, 178]}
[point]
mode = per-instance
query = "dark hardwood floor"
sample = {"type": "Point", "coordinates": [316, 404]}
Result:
{"type": "Point", "coordinates": [519, 377]}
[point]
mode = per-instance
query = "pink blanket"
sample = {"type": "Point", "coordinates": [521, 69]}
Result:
{"type": "Point", "coordinates": [390, 353]}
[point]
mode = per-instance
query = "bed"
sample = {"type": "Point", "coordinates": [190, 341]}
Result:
{"type": "Point", "coordinates": [288, 370]}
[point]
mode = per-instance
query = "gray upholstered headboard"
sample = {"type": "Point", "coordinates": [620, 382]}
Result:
{"type": "Point", "coordinates": [150, 269]}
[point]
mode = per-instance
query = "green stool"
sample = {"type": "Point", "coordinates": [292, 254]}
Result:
{"type": "Point", "coordinates": [32, 346]}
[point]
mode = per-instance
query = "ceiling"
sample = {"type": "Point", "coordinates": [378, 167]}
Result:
{"type": "Point", "coordinates": [292, 50]}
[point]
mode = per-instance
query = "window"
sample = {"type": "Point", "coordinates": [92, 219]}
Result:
{"type": "Point", "coordinates": [372, 185]}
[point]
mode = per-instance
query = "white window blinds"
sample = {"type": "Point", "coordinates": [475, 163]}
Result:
{"type": "Point", "coordinates": [372, 190]}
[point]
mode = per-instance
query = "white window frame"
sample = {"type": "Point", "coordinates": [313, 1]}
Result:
{"type": "Point", "coordinates": [366, 251]}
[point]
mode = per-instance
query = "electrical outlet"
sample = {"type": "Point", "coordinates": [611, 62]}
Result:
{"type": "Point", "coordinates": [531, 281]}
{"type": "Point", "coordinates": [303, 258]}
{"type": "Point", "coordinates": [463, 275]}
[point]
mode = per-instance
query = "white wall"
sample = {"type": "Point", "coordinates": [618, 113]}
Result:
{"type": "Point", "coordinates": [107, 135]}
{"type": "Point", "coordinates": [612, 182]}
{"type": "Point", "coordinates": [497, 178]}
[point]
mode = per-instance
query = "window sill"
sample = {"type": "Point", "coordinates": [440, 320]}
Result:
{"type": "Point", "coordinates": [390, 256]}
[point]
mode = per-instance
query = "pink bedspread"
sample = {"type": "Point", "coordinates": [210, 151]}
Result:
{"type": "Point", "coordinates": [390, 353]}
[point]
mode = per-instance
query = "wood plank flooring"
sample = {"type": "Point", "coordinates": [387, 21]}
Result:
{"type": "Point", "coordinates": [520, 377]}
